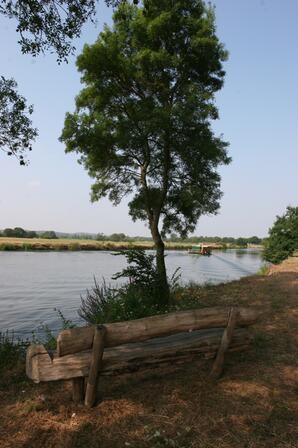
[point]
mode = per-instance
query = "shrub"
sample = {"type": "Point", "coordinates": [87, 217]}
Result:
{"type": "Point", "coordinates": [140, 297]}
{"type": "Point", "coordinates": [106, 304]}
{"type": "Point", "coordinates": [12, 349]}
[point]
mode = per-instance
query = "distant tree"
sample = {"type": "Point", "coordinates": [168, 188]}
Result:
{"type": "Point", "coordinates": [254, 240]}
{"type": "Point", "coordinates": [143, 122]}
{"type": "Point", "coordinates": [283, 237]}
{"type": "Point", "coordinates": [50, 234]}
{"type": "Point", "coordinates": [8, 232]}
{"type": "Point", "coordinates": [16, 131]}
{"type": "Point", "coordinates": [117, 237]}
{"type": "Point", "coordinates": [31, 234]}
{"type": "Point", "coordinates": [100, 237]}
{"type": "Point", "coordinates": [174, 237]}
{"type": "Point", "coordinates": [19, 232]}
{"type": "Point", "coordinates": [242, 242]}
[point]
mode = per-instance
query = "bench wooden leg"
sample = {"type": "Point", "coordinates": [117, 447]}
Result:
{"type": "Point", "coordinates": [96, 360]}
{"type": "Point", "coordinates": [78, 389]}
{"type": "Point", "coordinates": [217, 367]}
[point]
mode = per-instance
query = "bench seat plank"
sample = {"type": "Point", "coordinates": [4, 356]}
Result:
{"type": "Point", "coordinates": [128, 357]}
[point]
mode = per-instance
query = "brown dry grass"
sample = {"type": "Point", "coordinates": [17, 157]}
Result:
{"type": "Point", "coordinates": [254, 404]}
{"type": "Point", "coordinates": [78, 244]}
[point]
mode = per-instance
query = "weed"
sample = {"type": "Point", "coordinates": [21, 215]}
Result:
{"type": "Point", "coordinates": [263, 270]}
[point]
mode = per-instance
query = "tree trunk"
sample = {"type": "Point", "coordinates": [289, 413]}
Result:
{"type": "Point", "coordinates": [160, 265]}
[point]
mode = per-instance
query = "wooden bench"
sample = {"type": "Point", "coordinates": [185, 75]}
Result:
{"type": "Point", "coordinates": [84, 353]}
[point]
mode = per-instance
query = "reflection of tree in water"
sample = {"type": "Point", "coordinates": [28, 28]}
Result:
{"type": "Point", "coordinates": [247, 253]}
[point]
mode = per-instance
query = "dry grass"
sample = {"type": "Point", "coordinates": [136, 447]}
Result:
{"type": "Point", "coordinates": [254, 405]}
{"type": "Point", "coordinates": [78, 244]}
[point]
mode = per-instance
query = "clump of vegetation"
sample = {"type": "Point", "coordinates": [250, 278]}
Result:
{"type": "Point", "coordinates": [263, 270]}
{"type": "Point", "coordinates": [283, 237]}
{"type": "Point", "coordinates": [49, 234]}
{"type": "Point", "coordinates": [12, 350]}
{"type": "Point", "coordinates": [50, 341]}
{"type": "Point", "coordinates": [140, 297]}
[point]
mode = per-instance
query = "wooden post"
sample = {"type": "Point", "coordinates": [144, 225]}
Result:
{"type": "Point", "coordinates": [96, 360]}
{"type": "Point", "coordinates": [78, 389]}
{"type": "Point", "coordinates": [217, 367]}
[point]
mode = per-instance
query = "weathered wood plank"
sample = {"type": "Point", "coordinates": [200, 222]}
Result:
{"type": "Point", "coordinates": [205, 343]}
{"type": "Point", "coordinates": [226, 339]}
{"type": "Point", "coordinates": [95, 365]}
{"type": "Point", "coordinates": [80, 339]}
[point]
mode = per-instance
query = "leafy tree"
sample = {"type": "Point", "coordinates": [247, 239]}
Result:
{"type": "Point", "coordinates": [117, 237]}
{"type": "Point", "coordinates": [283, 237]}
{"type": "Point", "coordinates": [142, 123]}
{"type": "Point", "coordinates": [16, 131]}
{"type": "Point", "coordinates": [100, 237]}
{"type": "Point", "coordinates": [254, 240]}
{"type": "Point", "coordinates": [242, 242]}
{"type": "Point", "coordinates": [31, 234]}
{"type": "Point", "coordinates": [49, 234]}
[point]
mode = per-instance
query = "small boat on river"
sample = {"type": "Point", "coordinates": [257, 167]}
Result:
{"type": "Point", "coordinates": [200, 249]}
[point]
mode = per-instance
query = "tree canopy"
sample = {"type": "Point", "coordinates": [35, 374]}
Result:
{"type": "Point", "coordinates": [16, 130]}
{"type": "Point", "coordinates": [42, 26]}
{"type": "Point", "coordinates": [283, 237]}
{"type": "Point", "coordinates": [142, 124]}
{"type": "Point", "coordinates": [52, 24]}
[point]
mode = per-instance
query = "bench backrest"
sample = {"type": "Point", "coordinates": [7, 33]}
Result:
{"type": "Point", "coordinates": [80, 339]}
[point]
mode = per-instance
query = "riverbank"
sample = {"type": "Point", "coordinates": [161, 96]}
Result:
{"type": "Point", "coordinates": [42, 244]}
{"type": "Point", "coordinates": [254, 404]}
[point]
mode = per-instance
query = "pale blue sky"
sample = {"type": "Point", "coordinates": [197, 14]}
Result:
{"type": "Point", "coordinates": [258, 116]}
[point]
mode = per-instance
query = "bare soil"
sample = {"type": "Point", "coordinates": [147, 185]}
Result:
{"type": "Point", "coordinates": [253, 405]}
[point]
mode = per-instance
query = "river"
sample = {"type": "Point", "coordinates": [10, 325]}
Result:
{"type": "Point", "coordinates": [33, 284]}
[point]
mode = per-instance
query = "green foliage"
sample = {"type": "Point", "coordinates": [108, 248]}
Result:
{"type": "Point", "coordinates": [140, 269]}
{"type": "Point", "coordinates": [44, 25]}
{"type": "Point", "coordinates": [18, 232]}
{"type": "Point", "coordinates": [49, 340]}
{"type": "Point", "coordinates": [50, 25]}
{"type": "Point", "coordinates": [11, 350]}
{"type": "Point", "coordinates": [49, 234]}
{"type": "Point", "coordinates": [283, 237]}
{"type": "Point", "coordinates": [263, 270]}
{"type": "Point", "coordinates": [141, 297]}
{"type": "Point", "coordinates": [241, 242]}
{"type": "Point", "coordinates": [142, 124]}
{"type": "Point", "coordinates": [16, 131]}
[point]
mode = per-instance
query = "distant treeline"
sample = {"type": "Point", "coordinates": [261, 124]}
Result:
{"type": "Point", "coordinates": [18, 232]}
{"type": "Point", "coordinates": [241, 241]}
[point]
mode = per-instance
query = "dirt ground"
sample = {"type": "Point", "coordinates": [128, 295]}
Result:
{"type": "Point", "coordinates": [253, 405]}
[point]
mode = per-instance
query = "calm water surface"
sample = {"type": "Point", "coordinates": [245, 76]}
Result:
{"type": "Point", "coordinates": [33, 284]}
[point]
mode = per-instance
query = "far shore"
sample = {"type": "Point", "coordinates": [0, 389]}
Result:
{"type": "Point", "coordinates": [59, 244]}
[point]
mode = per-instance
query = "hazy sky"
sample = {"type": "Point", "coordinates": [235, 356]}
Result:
{"type": "Point", "coordinates": [258, 115]}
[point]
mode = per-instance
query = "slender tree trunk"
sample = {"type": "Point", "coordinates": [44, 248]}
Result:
{"type": "Point", "coordinates": [160, 264]}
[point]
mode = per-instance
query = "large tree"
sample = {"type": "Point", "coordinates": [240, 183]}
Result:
{"type": "Point", "coordinates": [283, 237]}
{"type": "Point", "coordinates": [142, 124]}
